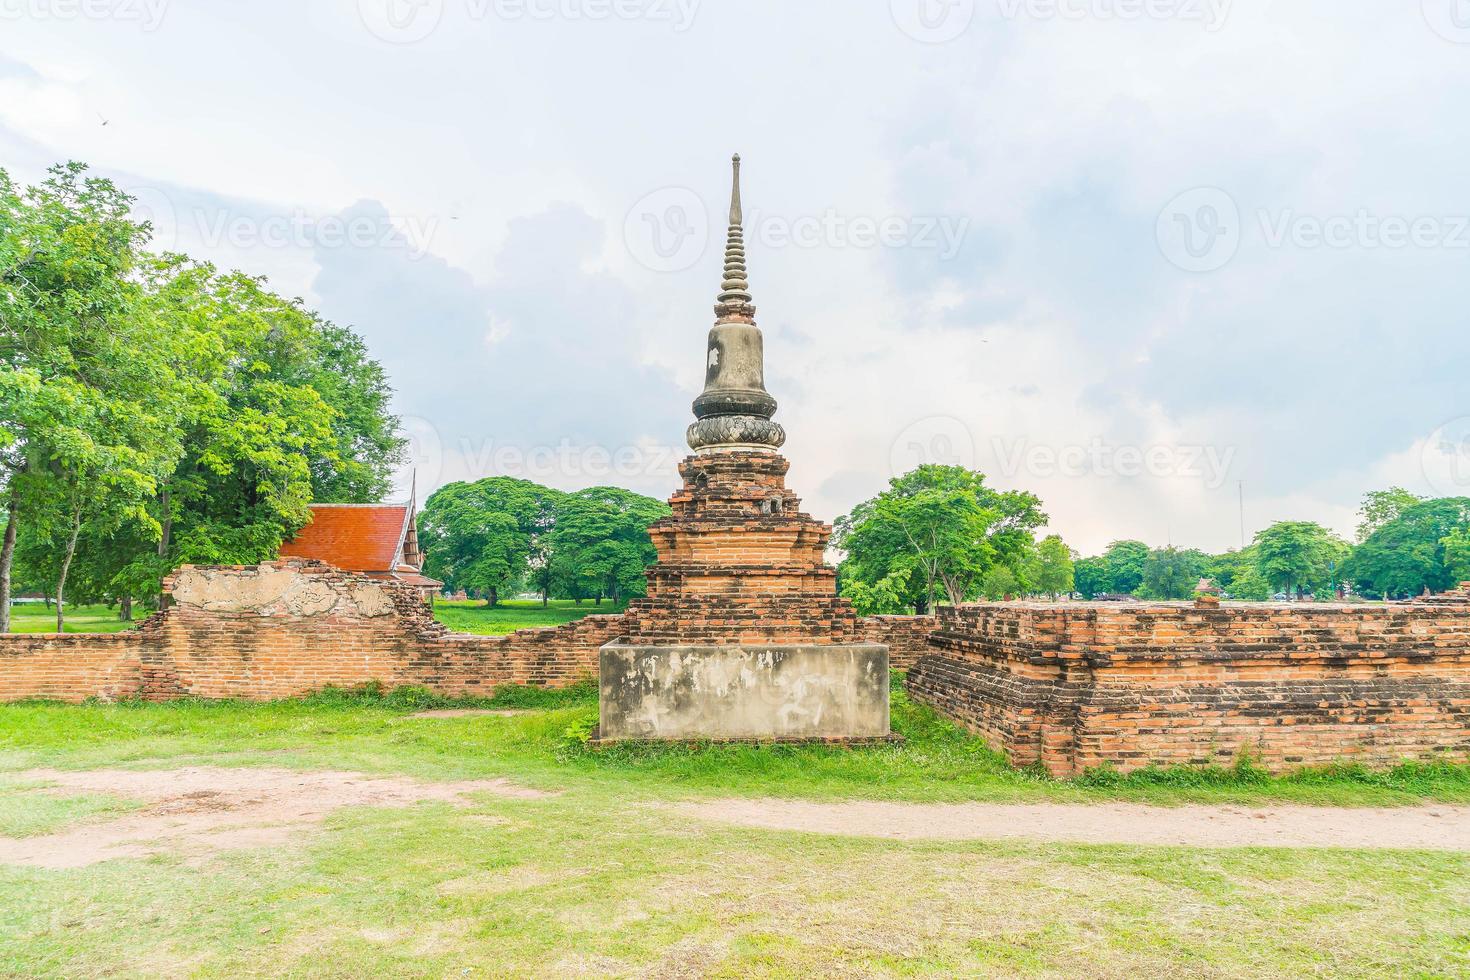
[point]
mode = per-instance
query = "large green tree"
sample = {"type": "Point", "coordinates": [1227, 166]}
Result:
{"type": "Point", "coordinates": [1300, 556]}
{"type": "Point", "coordinates": [939, 530]}
{"type": "Point", "coordinates": [1457, 554]}
{"type": "Point", "coordinates": [1092, 576]}
{"type": "Point", "coordinates": [1382, 506]}
{"type": "Point", "coordinates": [480, 536]}
{"type": "Point", "coordinates": [1408, 554]}
{"type": "Point", "coordinates": [1054, 568]}
{"type": "Point", "coordinates": [1172, 573]}
{"type": "Point", "coordinates": [154, 411]}
{"type": "Point", "coordinates": [599, 543]}
{"type": "Point", "coordinates": [89, 394]}
{"type": "Point", "coordinates": [1125, 561]}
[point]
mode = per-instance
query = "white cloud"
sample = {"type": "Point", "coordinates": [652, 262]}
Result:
{"type": "Point", "coordinates": [518, 146]}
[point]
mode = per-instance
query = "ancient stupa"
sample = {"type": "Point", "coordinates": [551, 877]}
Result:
{"type": "Point", "coordinates": [742, 635]}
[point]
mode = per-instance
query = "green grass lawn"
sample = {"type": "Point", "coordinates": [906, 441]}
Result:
{"type": "Point", "coordinates": [515, 614]}
{"type": "Point", "coordinates": [37, 617]}
{"type": "Point", "coordinates": [601, 880]}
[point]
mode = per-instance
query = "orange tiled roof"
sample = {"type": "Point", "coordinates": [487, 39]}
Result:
{"type": "Point", "coordinates": [354, 537]}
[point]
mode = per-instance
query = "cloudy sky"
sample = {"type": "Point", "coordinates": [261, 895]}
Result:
{"type": "Point", "coordinates": [1138, 256]}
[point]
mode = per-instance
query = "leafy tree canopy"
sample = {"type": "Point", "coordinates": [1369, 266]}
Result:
{"type": "Point", "coordinates": [1409, 553]}
{"type": "Point", "coordinates": [1300, 556]}
{"type": "Point", "coordinates": [154, 411]}
{"type": "Point", "coordinates": [938, 530]}
{"type": "Point", "coordinates": [1172, 573]}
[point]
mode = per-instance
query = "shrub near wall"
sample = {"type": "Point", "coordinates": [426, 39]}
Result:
{"type": "Point", "coordinates": [1076, 686]}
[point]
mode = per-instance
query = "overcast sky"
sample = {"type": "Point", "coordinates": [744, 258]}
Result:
{"type": "Point", "coordinates": [1127, 254]}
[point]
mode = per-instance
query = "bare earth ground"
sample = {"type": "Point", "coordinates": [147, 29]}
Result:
{"type": "Point", "coordinates": [203, 810]}
{"type": "Point", "coordinates": [1438, 827]}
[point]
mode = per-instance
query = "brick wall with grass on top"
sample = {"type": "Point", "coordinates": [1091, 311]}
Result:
{"type": "Point", "coordinates": [287, 628]}
{"type": "Point", "coordinates": [1077, 686]}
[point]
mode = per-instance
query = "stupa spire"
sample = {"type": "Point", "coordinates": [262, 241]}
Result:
{"type": "Point", "coordinates": [734, 411]}
{"type": "Point", "coordinates": [735, 289]}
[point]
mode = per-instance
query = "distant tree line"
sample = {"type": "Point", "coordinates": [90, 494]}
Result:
{"type": "Point", "coordinates": [940, 535]}
{"type": "Point", "coordinates": [1406, 546]}
{"type": "Point", "coordinates": [501, 535]}
{"type": "Point", "coordinates": [155, 410]}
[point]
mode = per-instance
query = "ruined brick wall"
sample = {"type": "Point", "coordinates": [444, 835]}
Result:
{"type": "Point", "coordinates": [288, 628]}
{"type": "Point", "coordinates": [907, 637]}
{"type": "Point", "coordinates": [1077, 686]}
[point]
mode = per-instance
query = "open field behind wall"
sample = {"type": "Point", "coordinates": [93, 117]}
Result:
{"type": "Point", "coordinates": [338, 834]}
{"type": "Point", "coordinates": [516, 614]}
{"type": "Point", "coordinates": [37, 617]}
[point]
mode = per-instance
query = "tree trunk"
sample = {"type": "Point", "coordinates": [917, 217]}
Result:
{"type": "Point", "coordinates": [166, 520]}
{"type": "Point", "coordinates": [71, 550]}
{"type": "Point", "coordinates": [7, 558]}
{"type": "Point", "coordinates": [125, 609]}
{"type": "Point", "coordinates": [493, 599]}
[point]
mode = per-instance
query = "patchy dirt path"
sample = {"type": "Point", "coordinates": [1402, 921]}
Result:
{"type": "Point", "coordinates": [1439, 827]}
{"type": "Point", "coordinates": [472, 713]}
{"type": "Point", "coordinates": [203, 810]}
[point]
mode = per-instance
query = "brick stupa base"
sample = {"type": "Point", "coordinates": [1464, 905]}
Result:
{"type": "Point", "coordinates": [742, 635]}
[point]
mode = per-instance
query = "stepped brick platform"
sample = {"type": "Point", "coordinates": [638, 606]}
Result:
{"type": "Point", "coordinates": [738, 562]}
{"type": "Point", "coordinates": [742, 635]}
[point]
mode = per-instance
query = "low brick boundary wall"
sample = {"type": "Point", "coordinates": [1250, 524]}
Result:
{"type": "Point", "coordinates": [288, 628]}
{"type": "Point", "coordinates": [1076, 686]}
{"type": "Point", "coordinates": [907, 637]}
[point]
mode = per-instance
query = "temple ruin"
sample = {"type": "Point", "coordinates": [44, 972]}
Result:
{"type": "Point", "coordinates": [742, 635]}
